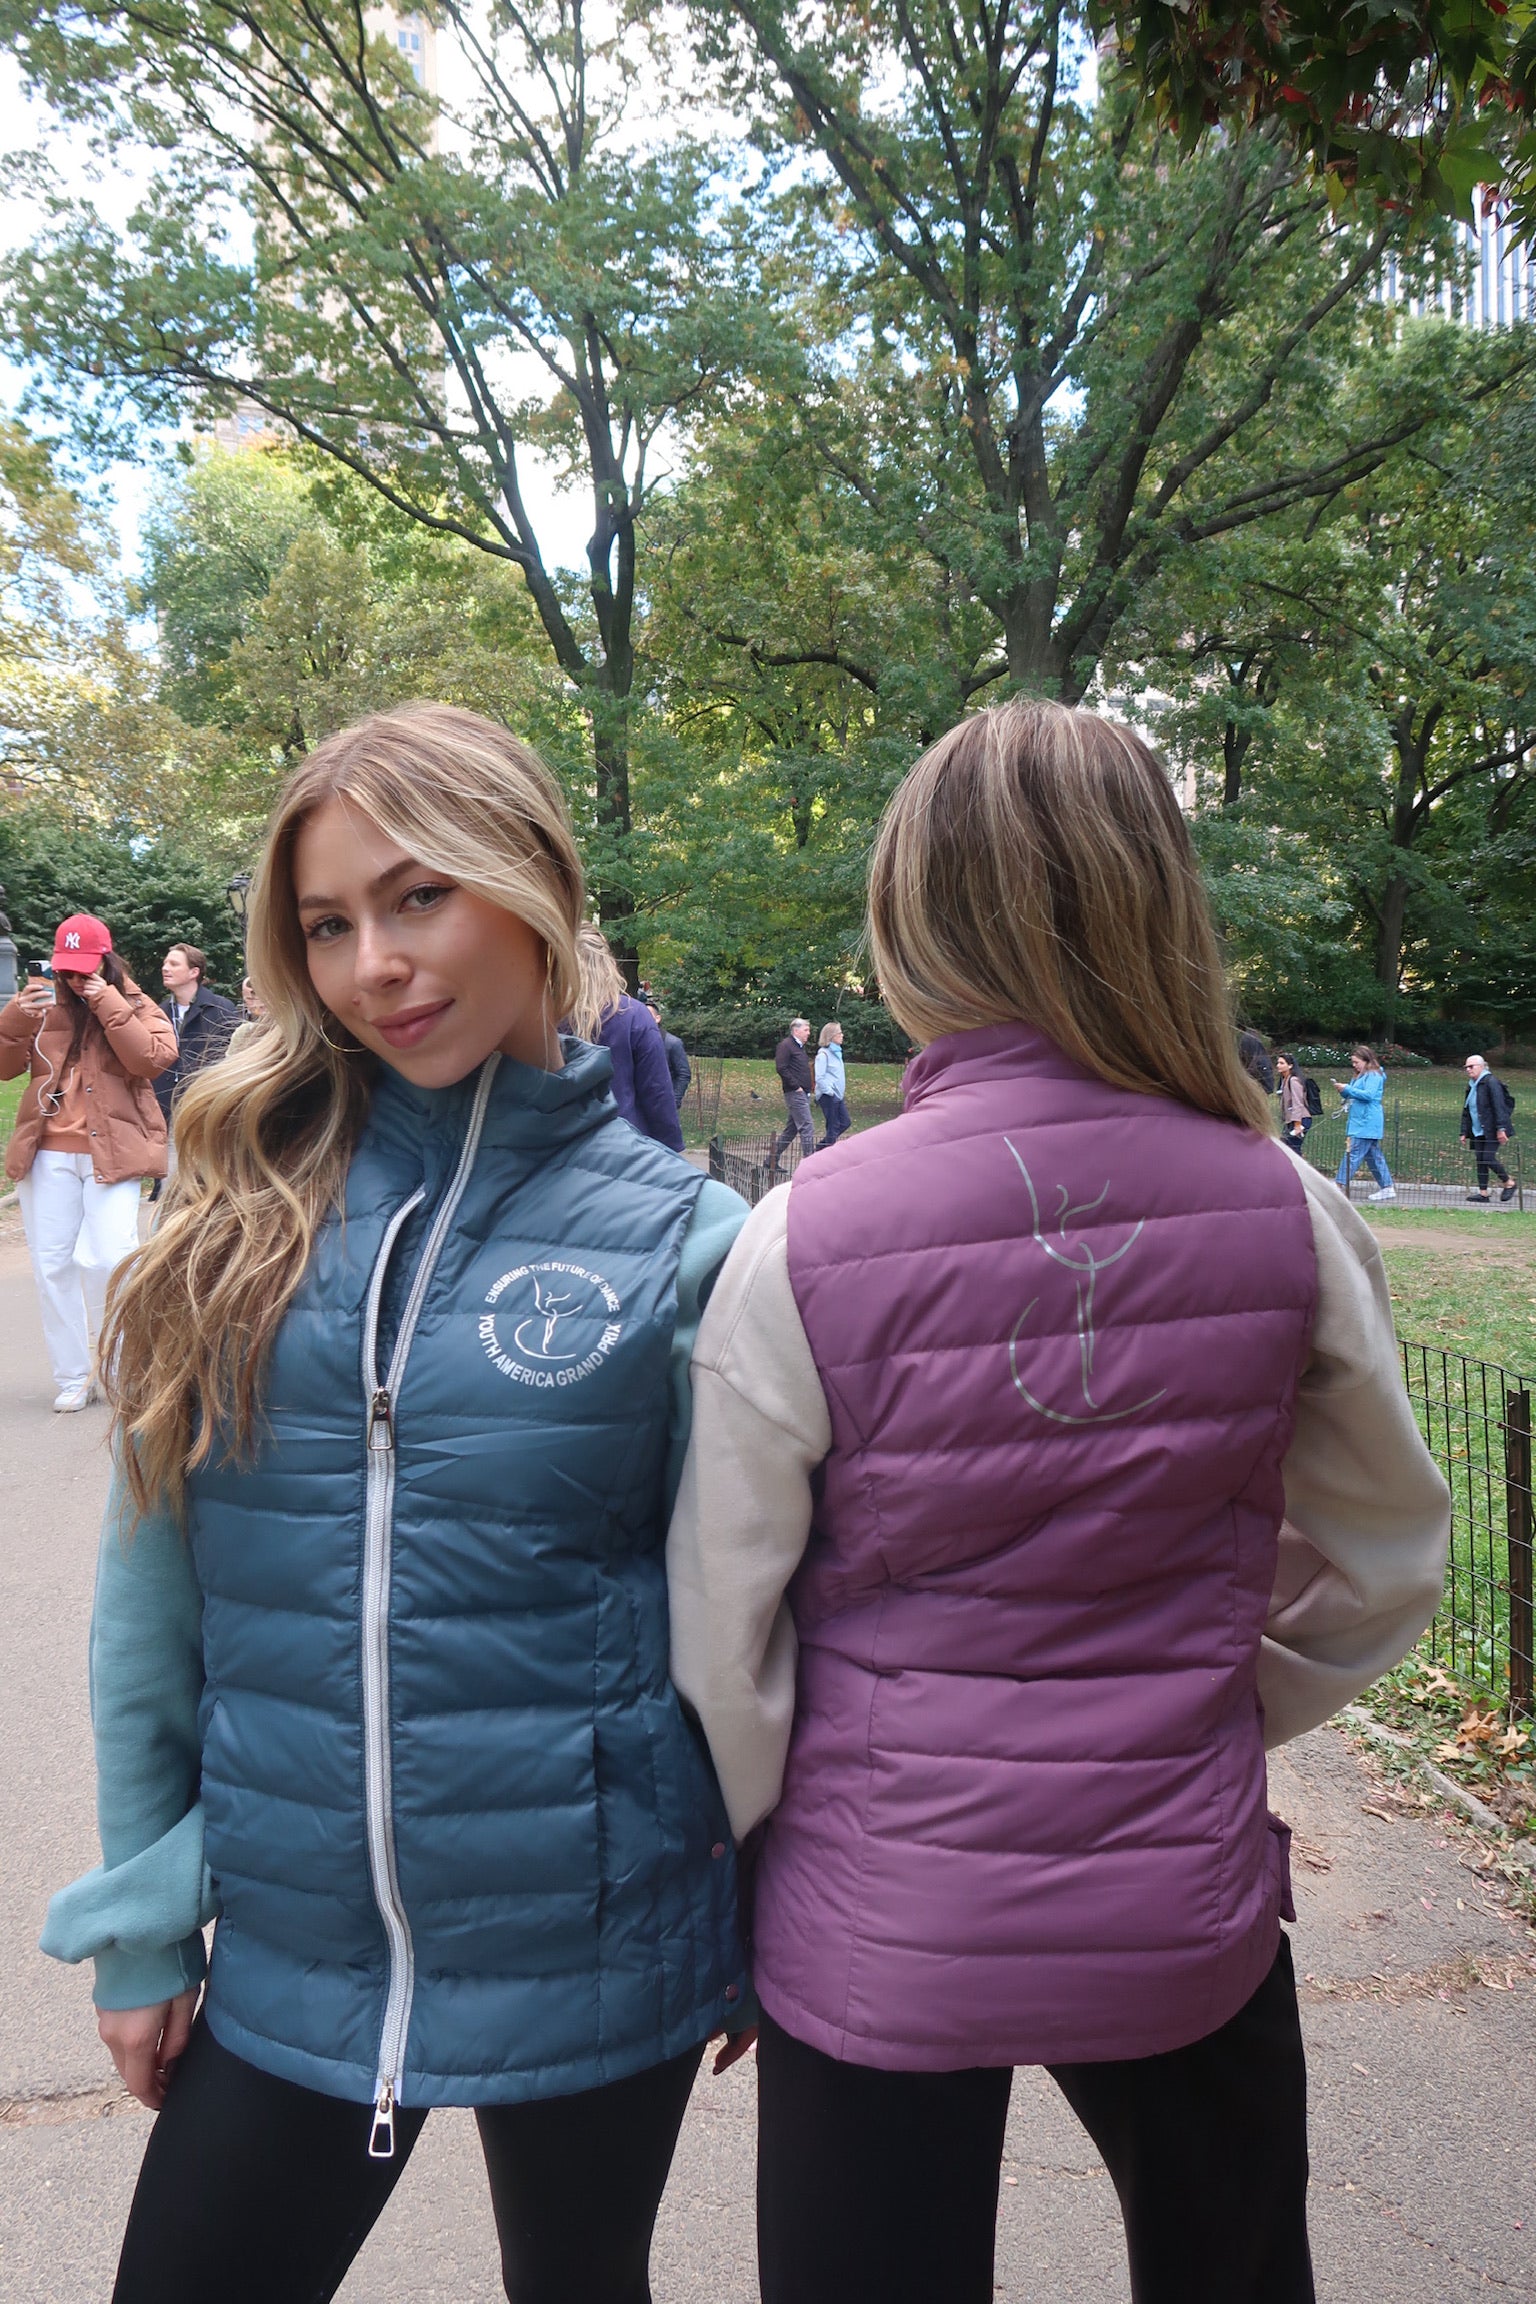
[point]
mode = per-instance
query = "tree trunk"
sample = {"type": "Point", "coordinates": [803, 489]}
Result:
{"type": "Point", "coordinates": [1390, 919]}
{"type": "Point", "coordinates": [610, 758]}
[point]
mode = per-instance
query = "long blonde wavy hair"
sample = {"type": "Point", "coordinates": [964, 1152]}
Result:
{"type": "Point", "coordinates": [1034, 866]}
{"type": "Point", "coordinates": [602, 983]}
{"type": "Point", "coordinates": [265, 1136]}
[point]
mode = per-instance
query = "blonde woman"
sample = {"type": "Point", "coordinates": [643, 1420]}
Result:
{"type": "Point", "coordinates": [379, 1670]}
{"type": "Point", "coordinates": [831, 1085]}
{"type": "Point", "coordinates": [605, 1014]}
{"type": "Point", "coordinates": [978, 1579]}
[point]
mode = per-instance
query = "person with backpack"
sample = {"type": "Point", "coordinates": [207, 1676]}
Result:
{"type": "Point", "coordinates": [379, 1654]}
{"type": "Point", "coordinates": [1301, 1102]}
{"type": "Point", "coordinates": [1050, 1455]}
{"type": "Point", "coordinates": [1487, 1123]}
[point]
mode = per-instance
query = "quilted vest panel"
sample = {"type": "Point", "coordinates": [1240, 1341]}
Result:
{"type": "Point", "coordinates": [1059, 1327]}
{"type": "Point", "coordinates": [558, 1844]}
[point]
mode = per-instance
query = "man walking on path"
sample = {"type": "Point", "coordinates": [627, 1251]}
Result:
{"type": "Point", "coordinates": [795, 1077]}
{"type": "Point", "coordinates": [1487, 1120]}
{"type": "Point", "coordinates": [677, 1057]}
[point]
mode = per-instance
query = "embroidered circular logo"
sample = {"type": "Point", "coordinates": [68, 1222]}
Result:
{"type": "Point", "coordinates": [550, 1324]}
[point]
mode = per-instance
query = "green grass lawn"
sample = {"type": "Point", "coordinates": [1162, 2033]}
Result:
{"type": "Point", "coordinates": [1465, 1281]}
{"type": "Point", "coordinates": [752, 1103]}
{"type": "Point", "coordinates": [10, 1097]}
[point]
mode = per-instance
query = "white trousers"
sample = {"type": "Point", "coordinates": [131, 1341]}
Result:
{"type": "Point", "coordinates": [78, 1231]}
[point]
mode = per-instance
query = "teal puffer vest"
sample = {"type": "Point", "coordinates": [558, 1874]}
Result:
{"type": "Point", "coordinates": [466, 1847]}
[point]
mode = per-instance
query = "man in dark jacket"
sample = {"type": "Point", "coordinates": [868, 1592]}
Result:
{"type": "Point", "coordinates": [1487, 1121]}
{"type": "Point", "coordinates": [677, 1057]}
{"type": "Point", "coordinates": [795, 1078]}
{"type": "Point", "coordinates": [203, 1022]}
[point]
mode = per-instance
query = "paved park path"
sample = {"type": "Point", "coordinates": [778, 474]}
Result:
{"type": "Point", "coordinates": [1419, 2004]}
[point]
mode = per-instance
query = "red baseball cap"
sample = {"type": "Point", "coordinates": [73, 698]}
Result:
{"type": "Point", "coordinates": [79, 944]}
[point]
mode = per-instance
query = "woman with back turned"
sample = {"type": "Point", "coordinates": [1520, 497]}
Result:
{"type": "Point", "coordinates": [981, 1581]}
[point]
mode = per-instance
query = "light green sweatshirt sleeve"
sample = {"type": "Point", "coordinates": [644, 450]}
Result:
{"type": "Point", "coordinates": [140, 1913]}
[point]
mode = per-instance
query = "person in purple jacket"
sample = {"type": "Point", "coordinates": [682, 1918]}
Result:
{"type": "Point", "coordinates": [1049, 1459]}
{"type": "Point", "coordinates": [642, 1080]}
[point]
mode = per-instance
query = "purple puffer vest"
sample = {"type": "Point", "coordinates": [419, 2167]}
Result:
{"type": "Point", "coordinates": [1059, 1327]}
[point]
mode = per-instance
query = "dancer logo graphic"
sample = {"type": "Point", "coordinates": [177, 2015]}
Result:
{"type": "Point", "coordinates": [1080, 1259]}
{"type": "Point", "coordinates": [550, 1325]}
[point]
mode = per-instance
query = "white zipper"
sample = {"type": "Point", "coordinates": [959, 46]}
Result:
{"type": "Point", "coordinates": [378, 1543]}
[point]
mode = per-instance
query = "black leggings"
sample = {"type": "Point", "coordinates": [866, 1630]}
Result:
{"type": "Point", "coordinates": [881, 2187]}
{"type": "Point", "coordinates": [255, 2191]}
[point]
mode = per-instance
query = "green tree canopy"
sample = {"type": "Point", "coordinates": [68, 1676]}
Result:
{"type": "Point", "coordinates": [425, 295]}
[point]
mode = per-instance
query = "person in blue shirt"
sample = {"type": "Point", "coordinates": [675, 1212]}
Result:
{"type": "Point", "coordinates": [1364, 1123]}
{"type": "Point", "coordinates": [831, 1085]}
{"type": "Point", "coordinates": [379, 1658]}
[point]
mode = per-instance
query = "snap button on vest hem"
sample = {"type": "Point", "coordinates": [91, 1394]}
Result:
{"type": "Point", "coordinates": [718, 1850]}
{"type": "Point", "coordinates": [733, 1991]}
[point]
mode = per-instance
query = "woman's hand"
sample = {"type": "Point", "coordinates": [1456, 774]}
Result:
{"type": "Point", "coordinates": [148, 2043]}
{"type": "Point", "coordinates": [736, 2046]}
{"type": "Point", "coordinates": [34, 996]}
{"type": "Point", "coordinates": [90, 987]}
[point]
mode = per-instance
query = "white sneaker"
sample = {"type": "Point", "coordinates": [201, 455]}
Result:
{"type": "Point", "coordinates": [1389, 1194]}
{"type": "Point", "coordinates": [76, 1396]}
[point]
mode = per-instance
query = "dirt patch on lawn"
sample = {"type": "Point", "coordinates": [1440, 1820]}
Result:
{"type": "Point", "coordinates": [1492, 1246]}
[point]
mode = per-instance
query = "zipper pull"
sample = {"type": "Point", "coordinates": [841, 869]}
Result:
{"type": "Point", "coordinates": [381, 1427]}
{"type": "Point", "coordinates": [381, 2136]}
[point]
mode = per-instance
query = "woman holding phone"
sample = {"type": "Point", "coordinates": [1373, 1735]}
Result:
{"type": "Point", "coordinates": [88, 1130]}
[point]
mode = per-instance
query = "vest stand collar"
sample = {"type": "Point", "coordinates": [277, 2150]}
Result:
{"type": "Point", "coordinates": [991, 1051]}
{"type": "Point", "coordinates": [529, 1109]}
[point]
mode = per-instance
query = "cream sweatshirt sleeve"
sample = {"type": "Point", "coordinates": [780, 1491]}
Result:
{"type": "Point", "coordinates": [1362, 1553]}
{"type": "Point", "coordinates": [1368, 1517]}
{"type": "Point", "coordinates": [743, 1514]}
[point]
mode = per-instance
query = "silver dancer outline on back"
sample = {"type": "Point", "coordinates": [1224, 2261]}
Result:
{"type": "Point", "coordinates": [1085, 1268]}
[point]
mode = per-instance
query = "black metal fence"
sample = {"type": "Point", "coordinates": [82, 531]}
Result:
{"type": "Point", "coordinates": [701, 1106]}
{"type": "Point", "coordinates": [748, 1165]}
{"type": "Point", "coordinates": [1476, 1418]}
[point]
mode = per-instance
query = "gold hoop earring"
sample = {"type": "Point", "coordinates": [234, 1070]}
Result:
{"type": "Point", "coordinates": [335, 1045]}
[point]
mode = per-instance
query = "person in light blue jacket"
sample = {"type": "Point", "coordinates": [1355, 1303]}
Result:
{"type": "Point", "coordinates": [1364, 1123]}
{"type": "Point", "coordinates": [831, 1085]}
{"type": "Point", "coordinates": [379, 1659]}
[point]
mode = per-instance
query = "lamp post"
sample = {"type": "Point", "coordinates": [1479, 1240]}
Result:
{"type": "Point", "coordinates": [238, 890]}
{"type": "Point", "coordinates": [7, 958]}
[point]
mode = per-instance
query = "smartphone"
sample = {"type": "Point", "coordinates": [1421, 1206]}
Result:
{"type": "Point", "coordinates": [38, 972]}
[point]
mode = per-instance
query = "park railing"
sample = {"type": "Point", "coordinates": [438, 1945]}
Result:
{"type": "Point", "coordinates": [748, 1165]}
{"type": "Point", "coordinates": [701, 1106]}
{"type": "Point", "coordinates": [1476, 1418]}
{"type": "Point", "coordinates": [1430, 1163]}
